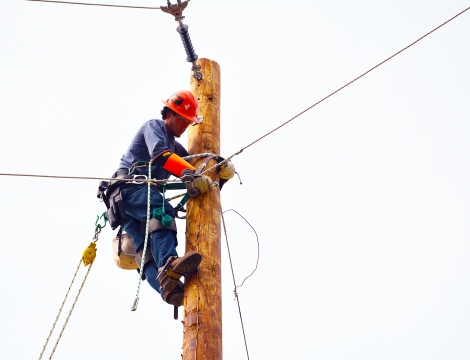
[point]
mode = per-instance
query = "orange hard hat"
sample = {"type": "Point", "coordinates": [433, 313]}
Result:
{"type": "Point", "coordinates": [185, 104]}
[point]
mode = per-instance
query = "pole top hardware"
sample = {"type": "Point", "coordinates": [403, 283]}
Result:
{"type": "Point", "coordinates": [176, 10]}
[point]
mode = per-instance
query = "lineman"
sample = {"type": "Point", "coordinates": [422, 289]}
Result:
{"type": "Point", "coordinates": [156, 140]}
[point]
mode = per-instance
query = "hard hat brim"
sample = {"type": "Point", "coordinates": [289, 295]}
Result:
{"type": "Point", "coordinates": [177, 110]}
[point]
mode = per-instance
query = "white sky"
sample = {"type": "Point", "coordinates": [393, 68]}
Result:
{"type": "Point", "coordinates": [361, 204]}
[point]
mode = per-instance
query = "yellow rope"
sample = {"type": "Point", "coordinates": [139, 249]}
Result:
{"type": "Point", "coordinates": [60, 310]}
{"type": "Point", "coordinates": [70, 312]}
{"type": "Point", "coordinates": [87, 258]}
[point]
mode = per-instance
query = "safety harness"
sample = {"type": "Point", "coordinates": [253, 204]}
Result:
{"type": "Point", "coordinates": [110, 192]}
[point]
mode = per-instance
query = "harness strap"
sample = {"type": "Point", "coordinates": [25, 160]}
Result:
{"type": "Point", "coordinates": [119, 235]}
{"type": "Point", "coordinates": [155, 225]}
{"type": "Point", "coordinates": [166, 266]}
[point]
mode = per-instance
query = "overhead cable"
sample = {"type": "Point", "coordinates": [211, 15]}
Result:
{"type": "Point", "coordinates": [107, 5]}
{"type": "Point", "coordinates": [136, 180]}
{"type": "Point", "coordinates": [334, 92]}
{"type": "Point", "coordinates": [280, 126]}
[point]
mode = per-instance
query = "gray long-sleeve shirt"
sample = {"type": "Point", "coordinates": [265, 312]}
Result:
{"type": "Point", "coordinates": [151, 140]}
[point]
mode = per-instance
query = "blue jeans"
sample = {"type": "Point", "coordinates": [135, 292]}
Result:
{"type": "Point", "coordinates": [162, 243]}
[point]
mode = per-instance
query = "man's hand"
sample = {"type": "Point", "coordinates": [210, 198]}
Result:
{"type": "Point", "coordinates": [227, 171]}
{"type": "Point", "coordinates": [202, 183]}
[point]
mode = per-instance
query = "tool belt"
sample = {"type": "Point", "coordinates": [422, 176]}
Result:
{"type": "Point", "coordinates": [110, 193]}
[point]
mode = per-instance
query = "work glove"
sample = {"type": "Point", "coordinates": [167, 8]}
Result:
{"type": "Point", "coordinates": [202, 183]}
{"type": "Point", "coordinates": [227, 171]}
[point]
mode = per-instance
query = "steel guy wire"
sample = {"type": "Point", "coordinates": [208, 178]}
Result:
{"type": "Point", "coordinates": [233, 273]}
{"type": "Point", "coordinates": [275, 129]}
{"type": "Point", "coordinates": [104, 178]}
{"type": "Point", "coordinates": [226, 238]}
{"type": "Point", "coordinates": [220, 213]}
{"type": "Point", "coordinates": [336, 91]}
{"type": "Point", "coordinates": [107, 5]}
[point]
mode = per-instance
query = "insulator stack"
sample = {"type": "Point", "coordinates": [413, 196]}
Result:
{"type": "Point", "coordinates": [188, 46]}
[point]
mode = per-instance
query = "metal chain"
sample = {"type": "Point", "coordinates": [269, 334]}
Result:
{"type": "Point", "coordinates": [97, 232]}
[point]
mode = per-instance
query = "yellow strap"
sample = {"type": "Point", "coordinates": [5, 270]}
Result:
{"type": "Point", "coordinates": [172, 274]}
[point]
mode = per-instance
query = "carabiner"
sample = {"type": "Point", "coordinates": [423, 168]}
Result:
{"type": "Point", "coordinates": [177, 210]}
{"type": "Point", "coordinates": [180, 206]}
{"type": "Point", "coordinates": [98, 219]}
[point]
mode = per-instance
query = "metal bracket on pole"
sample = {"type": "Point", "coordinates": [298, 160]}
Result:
{"type": "Point", "coordinates": [177, 11]}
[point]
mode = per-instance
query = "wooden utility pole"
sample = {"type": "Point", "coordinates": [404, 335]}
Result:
{"type": "Point", "coordinates": [202, 339]}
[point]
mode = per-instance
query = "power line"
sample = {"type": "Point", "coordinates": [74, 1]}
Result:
{"type": "Point", "coordinates": [138, 178]}
{"type": "Point", "coordinates": [107, 5]}
{"type": "Point", "coordinates": [334, 92]}
{"type": "Point", "coordinates": [275, 129]}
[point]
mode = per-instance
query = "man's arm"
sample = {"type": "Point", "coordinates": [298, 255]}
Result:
{"type": "Point", "coordinates": [180, 150]}
{"type": "Point", "coordinates": [172, 163]}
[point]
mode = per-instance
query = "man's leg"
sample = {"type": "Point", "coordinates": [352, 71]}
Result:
{"type": "Point", "coordinates": [135, 203]}
{"type": "Point", "coordinates": [151, 273]}
{"type": "Point", "coordinates": [163, 245]}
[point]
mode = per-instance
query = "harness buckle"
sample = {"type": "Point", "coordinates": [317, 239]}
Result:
{"type": "Point", "coordinates": [143, 177]}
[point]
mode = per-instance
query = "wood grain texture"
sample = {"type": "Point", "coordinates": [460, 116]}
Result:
{"type": "Point", "coordinates": [202, 324]}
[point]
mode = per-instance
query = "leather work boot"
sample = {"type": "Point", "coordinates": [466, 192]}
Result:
{"type": "Point", "coordinates": [169, 276]}
{"type": "Point", "coordinates": [175, 296]}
